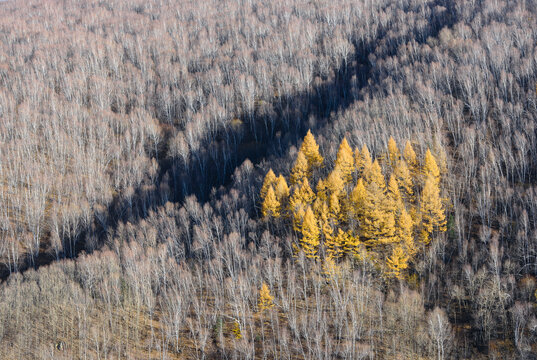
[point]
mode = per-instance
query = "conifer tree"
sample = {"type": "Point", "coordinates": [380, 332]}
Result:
{"type": "Point", "coordinates": [301, 169]}
{"type": "Point", "coordinates": [359, 200]}
{"type": "Point", "coordinates": [352, 246]}
{"type": "Point", "coordinates": [335, 182]}
{"type": "Point", "coordinates": [404, 179]}
{"type": "Point", "coordinates": [324, 219]}
{"type": "Point", "coordinates": [357, 159]}
{"type": "Point", "coordinates": [404, 233]}
{"type": "Point", "coordinates": [237, 330]}
{"type": "Point", "coordinates": [397, 263]}
{"type": "Point", "coordinates": [345, 161]}
{"type": "Point", "coordinates": [265, 298]}
{"type": "Point", "coordinates": [335, 247]}
{"type": "Point", "coordinates": [411, 158]}
{"type": "Point", "coordinates": [373, 174]}
{"type": "Point", "coordinates": [281, 189]}
{"type": "Point", "coordinates": [310, 149]}
{"type": "Point", "coordinates": [310, 235]}
{"type": "Point", "coordinates": [431, 209]}
{"type": "Point", "coordinates": [271, 205]}
{"type": "Point", "coordinates": [378, 223]}
{"type": "Point", "coordinates": [334, 207]}
{"type": "Point", "coordinates": [269, 180]}
{"type": "Point", "coordinates": [365, 160]}
{"type": "Point", "coordinates": [322, 190]}
{"type": "Point", "coordinates": [393, 152]}
{"type": "Point", "coordinates": [395, 201]}
{"type": "Point", "coordinates": [302, 196]}
{"type": "Point", "coordinates": [430, 167]}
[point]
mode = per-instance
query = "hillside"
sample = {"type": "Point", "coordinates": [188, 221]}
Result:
{"type": "Point", "coordinates": [244, 179]}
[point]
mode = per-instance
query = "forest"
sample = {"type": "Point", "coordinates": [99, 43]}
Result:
{"type": "Point", "coordinates": [284, 179]}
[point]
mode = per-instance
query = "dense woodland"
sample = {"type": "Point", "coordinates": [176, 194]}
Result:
{"type": "Point", "coordinates": [294, 179]}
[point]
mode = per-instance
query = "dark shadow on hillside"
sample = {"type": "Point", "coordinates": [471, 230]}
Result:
{"type": "Point", "coordinates": [205, 170]}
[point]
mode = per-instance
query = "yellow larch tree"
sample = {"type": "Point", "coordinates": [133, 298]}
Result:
{"type": "Point", "coordinates": [271, 205]}
{"type": "Point", "coordinates": [335, 182]}
{"type": "Point", "coordinates": [325, 222]}
{"type": "Point", "coordinates": [365, 160]}
{"type": "Point", "coordinates": [353, 246]}
{"type": "Point", "coordinates": [411, 158]}
{"type": "Point", "coordinates": [265, 301]}
{"type": "Point", "coordinates": [302, 195]}
{"type": "Point", "coordinates": [321, 190]}
{"type": "Point", "coordinates": [237, 330]}
{"type": "Point", "coordinates": [335, 247]}
{"type": "Point", "coordinates": [393, 152]}
{"type": "Point", "coordinates": [397, 263]}
{"type": "Point", "coordinates": [378, 223]}
{"type": "Point", "coordinates": [310, 149]}
{"type": "Point", "coordinates": [373, 174]}
{"type": "Point", "coordinates": [395, 201]}
{"type": "Point", "coordinates": [404, 233]}
{"type": "Point", "coordinates": [301, 169]}
{"type": "Point", "coordinates": [345, 161]}
{"type": "Point", "coordinates": [359, 200]}
{"type": "Point", "coordinates": [432, 213]}
{"type": "Point", "coordinates": [281, 189]}
{"type": "Point", "coordinates": [310, 235]}
{"type": "Point", "coordinates": [334, 209]}
{"type": "Point", "coordinates": [430, 167]}
{"type": "Point", "coordinates": [404, 179]}
{"type": "Point", "coordinates": [270, 180]}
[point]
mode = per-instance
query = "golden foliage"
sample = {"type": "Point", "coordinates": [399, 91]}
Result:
{"type": "Point", "coordinates": [310, 149]}
{"type": "Point", "coordinates": [301, 169]}
{"type": "Point", "coordinates": [271, 205]}
{"type": "Point", "coordinates": [265, 301]}
{"type": "Point", "coordinates": [345, 161]}
{"type": "Point", "coordinates": [310, 235]}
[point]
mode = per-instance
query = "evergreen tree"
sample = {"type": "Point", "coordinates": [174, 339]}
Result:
{"type": "Point", "coordinates": [270, 180]}
{"type": "Point", "coordinates": [310, 149]}
{"type": "Point", "coordinates": [265, 298]}
{"type": "Point", "coordinates": [431, 209]}
{"type": "Point", "coordinates": [301, 169]}
{"type": "Point", "coordinates": [310, 235]}
{"type": "Point", "coordinates": [345, 161]}
{"type": "Point", "coordinates": [271, 205]}
{"type": "Point", "coordinates": [397, 263]}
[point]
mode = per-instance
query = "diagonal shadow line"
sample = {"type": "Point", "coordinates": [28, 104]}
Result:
{"type": "Point", "coordinates": [319, 101]}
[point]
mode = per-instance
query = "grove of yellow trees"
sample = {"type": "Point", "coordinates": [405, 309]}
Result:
{"type": "Point", "coordinates": [383, 210]}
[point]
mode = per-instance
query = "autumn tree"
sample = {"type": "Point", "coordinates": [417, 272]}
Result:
{"type": "Point", "coordinates": [345, 161]}
{"type": "Point", "coordinates": [397, 263]}
{"type": "Point", "coordinates": [393, 152]}
{"type": "Point", "coordinates": [430, 167]}
{"type": "Point", "coordinates": [301, 170]}
{"type": "Point", "coordinates": [432, 213]}
{"type": "Point", "coordinates": [310, 235]}
{"type": "Point", "coordinates": [265, 301]}
{"type": "Point", "coordinates": [310, 149]}
{"type": "Point", "coordinates": [271, 205]}
{"type": "Point", "coordinates": [270, 180]}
